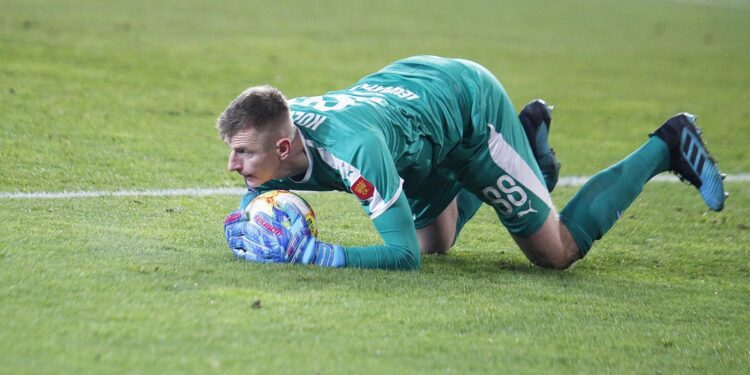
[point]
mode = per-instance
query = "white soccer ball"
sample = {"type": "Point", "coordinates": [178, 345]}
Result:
{"type": "Point", "coordinates": [273, 204]}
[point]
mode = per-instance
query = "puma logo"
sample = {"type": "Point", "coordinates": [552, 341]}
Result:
{"type": "Point", "coordinates": [526, 212]}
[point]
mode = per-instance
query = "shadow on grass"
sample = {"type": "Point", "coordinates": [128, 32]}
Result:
{"type": "Point", "coordinates": [483, 265]}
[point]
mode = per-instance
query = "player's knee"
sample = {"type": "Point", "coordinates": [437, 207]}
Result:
{"type": "Point", "coordinates": [550, 247]}
{"type": "Point", "coordinates": [559, 260]}
{"type": "Point", "coordinates": [434, 248]}
{"type": "Point", "coordinates": [435, 251]}
{"type": "Point", "coordinates": [552, 256]}
{"type": "Point", "coordinates": [435, 242]}
{"type": "Point", "coordinates": [555, 263]}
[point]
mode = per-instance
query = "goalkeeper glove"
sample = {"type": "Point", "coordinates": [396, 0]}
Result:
{"type": "Point", "coordinates": [251, 242]}
{"type": "Point", "coordinates": [305, 248]}
{"type": "Point", "coordinates": [274, 243]}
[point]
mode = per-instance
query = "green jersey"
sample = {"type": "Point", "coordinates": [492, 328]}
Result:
{"type": "Point", "coordinates": [400, 141]}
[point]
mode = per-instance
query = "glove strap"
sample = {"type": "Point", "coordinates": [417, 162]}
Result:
{"type": "Point", "coordinates": [311, 251]}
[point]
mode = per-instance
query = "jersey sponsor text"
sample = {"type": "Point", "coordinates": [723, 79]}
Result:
{"type": "Point", "coordinates": [393, 90]}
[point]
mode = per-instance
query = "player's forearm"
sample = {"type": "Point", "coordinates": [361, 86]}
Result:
{"type": "Point", "coordinates": [383, 257]}
{"type": "Point", "coordinates": [400, 249]}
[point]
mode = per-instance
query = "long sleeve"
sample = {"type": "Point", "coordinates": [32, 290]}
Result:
{"type": "Point", "coordinates": [400, 249]}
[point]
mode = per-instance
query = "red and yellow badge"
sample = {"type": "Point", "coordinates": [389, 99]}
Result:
{"type": "Point", "coordinates": [362, 188]}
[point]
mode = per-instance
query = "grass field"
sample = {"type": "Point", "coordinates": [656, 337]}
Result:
{"type": "Point", "coordinates": [106, 95]}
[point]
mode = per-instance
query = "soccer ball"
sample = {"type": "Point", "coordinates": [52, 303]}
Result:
{"type": "Point", "coordinates": [273, 204]}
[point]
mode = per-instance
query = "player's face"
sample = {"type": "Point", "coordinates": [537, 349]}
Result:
{"type": "Point", "coordinates": [254, 156]}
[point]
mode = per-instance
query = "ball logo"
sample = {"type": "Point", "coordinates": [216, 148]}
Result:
{"type": "Point", "coordinates": [311, 223]}
{"type": "Point", "coordinates": [362, 188]}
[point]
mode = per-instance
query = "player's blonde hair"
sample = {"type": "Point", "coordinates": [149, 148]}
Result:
{"type": "Point", "coordinates": [257, 107]}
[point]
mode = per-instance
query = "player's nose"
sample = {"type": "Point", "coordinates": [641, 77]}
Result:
{"type": "Point", "coordinates": [234, 164]}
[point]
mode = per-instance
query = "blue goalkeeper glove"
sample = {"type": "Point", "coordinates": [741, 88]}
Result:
{"type": "Point", "coordinates": [304, 248]}
{"type": "Point", "coordinates": [251, 242]}
{"type": "Point", "coordinates": [274, 243]}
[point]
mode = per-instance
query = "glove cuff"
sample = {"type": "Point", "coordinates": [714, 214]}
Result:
{"type": "Point", "coordinates": [312, 251]}
{"type": "Point", "coordinates": [329, 255]}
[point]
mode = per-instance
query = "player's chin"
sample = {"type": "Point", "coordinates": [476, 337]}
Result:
{"type": "Point", "coordinates": [253, 182]}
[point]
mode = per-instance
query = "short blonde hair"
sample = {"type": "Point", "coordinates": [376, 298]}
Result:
{"type": "Point", "coordinates": [257, 107]}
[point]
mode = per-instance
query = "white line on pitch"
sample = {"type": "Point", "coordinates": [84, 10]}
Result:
{"type": "Point", "coordinates": [198, 192]}
{"type": "Point", "coordinates": [193, 192]}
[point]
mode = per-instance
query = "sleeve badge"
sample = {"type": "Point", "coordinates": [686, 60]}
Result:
{"type": "Point", "coordinates": [362, 188]}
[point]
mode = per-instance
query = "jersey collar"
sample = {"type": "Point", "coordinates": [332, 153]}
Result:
{"type": "Point", "coordinates": [308, 173]}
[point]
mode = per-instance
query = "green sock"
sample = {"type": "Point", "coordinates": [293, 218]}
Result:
{"type": "Point", "coordinates": [603, 199]}
{"type": "Point", "coordinates": [468, 204]}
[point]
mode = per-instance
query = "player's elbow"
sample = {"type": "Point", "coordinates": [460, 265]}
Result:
{"type": "Point", "coordinates": [409, 258]}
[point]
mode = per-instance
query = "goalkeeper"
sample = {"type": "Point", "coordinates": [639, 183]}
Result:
{"type": "Point", "coordinates": [422, 144]}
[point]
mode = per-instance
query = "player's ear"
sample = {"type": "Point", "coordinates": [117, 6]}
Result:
{"type": "Point", "coordinates": [283, 147]}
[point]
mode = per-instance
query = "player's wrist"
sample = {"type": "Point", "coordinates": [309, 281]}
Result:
{"type": "Point", "coordinates": [309, 250]}
{"type": "Point", "coordinates": [329, 255]}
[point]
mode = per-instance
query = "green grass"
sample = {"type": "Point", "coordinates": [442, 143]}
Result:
{"type": "Point", "coordinates": [104, 95]}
